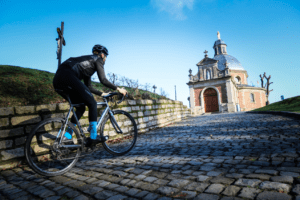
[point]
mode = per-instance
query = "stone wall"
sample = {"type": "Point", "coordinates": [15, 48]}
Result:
{"type": "Point", "coordinates": [17, 122]}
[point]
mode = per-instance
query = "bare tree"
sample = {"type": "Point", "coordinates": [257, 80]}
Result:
{"type": "Point", "coordinates": [122, 80]}
{"type": "Point", "coordinates": [163, 93]}
{"type": "Point", "coordinates": [267, 85]}
{"type": "Point", "coordinates": [113, 78]}
{"type": "Point", "coordinates": [128, 82]}
{"type": "Point", "coordinates": [147, 86]}
{"type": "Point", "coordinates": [262, 80]}
{"type": "Point", "coordinates": [135, 84]}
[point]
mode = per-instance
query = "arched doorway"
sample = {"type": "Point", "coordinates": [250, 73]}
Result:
{"type": "Point", "coordinates": [211, 100]}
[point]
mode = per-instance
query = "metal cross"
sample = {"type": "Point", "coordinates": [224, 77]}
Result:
{"type": "Point", "coordinates": [154, 87]}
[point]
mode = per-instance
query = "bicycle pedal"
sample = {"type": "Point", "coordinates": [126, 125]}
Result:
{"type": "Point", "coordinates": [89, 149]}
{"type": "Point", "coordinates": [104, 138]}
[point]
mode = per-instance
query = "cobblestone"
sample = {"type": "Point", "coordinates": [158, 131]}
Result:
{"type": "Point", "coordinates": [218, 157]}
{"type": "Point", "coordinates": [283, 179]}
{"type": "Point", "coordinates": [249, 193]}
{"type": "Point", "coordinates": [296, 189]}
{"type": "Point", "coordinates": [215, 188]}
{"type": "Point", "coordinates": [247, 182]}
{"type": "Point", "coordinates": [204, 196]}
{"type": "Point", "coordinates": [275, 186]}
{"type": "Point", "coordinates": [273, 196]}
{"type": "Point", "coordinates": [231, 190]}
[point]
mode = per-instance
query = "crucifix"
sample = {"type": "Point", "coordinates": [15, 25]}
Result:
{"type": "Point", "coordinates": [154, 87]}
{"type": "Point", "coordinates": [60, 41]}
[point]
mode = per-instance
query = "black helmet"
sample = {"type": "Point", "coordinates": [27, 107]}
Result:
{"type": "Point", "coordinates": [100, 49]}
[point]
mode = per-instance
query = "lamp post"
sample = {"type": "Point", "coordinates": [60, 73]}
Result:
{"type": "Point", "coordinates": [175, 94]}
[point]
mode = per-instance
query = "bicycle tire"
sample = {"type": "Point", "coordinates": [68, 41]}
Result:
{"type": "Point", "coordinates": [116, 141]}
{"type": "Point", "coordinates": [41, 136]}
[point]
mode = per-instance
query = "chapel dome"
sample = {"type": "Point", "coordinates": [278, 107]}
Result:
{"type": "Point", "coordinates": [232, 62]}
{"type": "Point", "coordinates": [218, 42]}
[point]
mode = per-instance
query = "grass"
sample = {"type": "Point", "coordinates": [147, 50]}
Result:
{"type": "Point", "coordinates": [291, 105]}
{"type": "Point", "coordinates": [21, 86]}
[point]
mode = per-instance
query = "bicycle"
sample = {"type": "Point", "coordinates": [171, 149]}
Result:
{"type": "Point", "coordinates": [48, 155]}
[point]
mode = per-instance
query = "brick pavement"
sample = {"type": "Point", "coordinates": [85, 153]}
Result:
{"type": "Point", "coordinates": [220, 157]}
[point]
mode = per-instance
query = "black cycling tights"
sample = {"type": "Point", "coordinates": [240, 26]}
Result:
{"type": "Point", "coordinates": [66, 80]}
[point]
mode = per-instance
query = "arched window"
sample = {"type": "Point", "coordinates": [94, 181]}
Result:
{"type": "Point", "coordinates": [207, 74]}
{"type": "Point", "coordinates": [237, 80]}
{"type": "Point", "coordinates": [251, 97]}
{"type": "Point", "coordinates": [223, 49]}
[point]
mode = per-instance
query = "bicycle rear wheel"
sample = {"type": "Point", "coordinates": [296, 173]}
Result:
{"type": "Point", "coordinates": [119, 143]}
{"type": "Point", "coordinates": [42, 150]}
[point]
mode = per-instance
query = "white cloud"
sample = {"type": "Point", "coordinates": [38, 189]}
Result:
{"type": "Point", "coordinates": [174, 7]}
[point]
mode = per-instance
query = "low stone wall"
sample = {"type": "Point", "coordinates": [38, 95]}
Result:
{"type": "Point", "coordinates": [17, 122]}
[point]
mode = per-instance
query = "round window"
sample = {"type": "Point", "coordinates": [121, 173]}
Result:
{"type": "Point", "coordinates": [237, 79]}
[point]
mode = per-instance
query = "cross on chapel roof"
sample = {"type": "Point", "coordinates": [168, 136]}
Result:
{"type": "Point", "coordinates": [205, 53]}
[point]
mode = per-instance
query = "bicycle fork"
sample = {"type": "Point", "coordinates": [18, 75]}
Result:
{"type": "Point", "coordinates": [114, 122]}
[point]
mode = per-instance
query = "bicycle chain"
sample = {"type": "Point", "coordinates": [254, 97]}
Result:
{"type": "Point", "coordinates": [86, 150]}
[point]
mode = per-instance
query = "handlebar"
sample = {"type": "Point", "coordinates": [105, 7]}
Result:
{"type": "Point", "coordinates": [115, 93]}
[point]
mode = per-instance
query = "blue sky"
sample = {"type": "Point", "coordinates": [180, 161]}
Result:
{"type": "Point", "coordinates": [158, 41]}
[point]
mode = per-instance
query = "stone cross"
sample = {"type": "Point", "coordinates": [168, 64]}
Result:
{"type": "Point", "coordinates": [205, 53]}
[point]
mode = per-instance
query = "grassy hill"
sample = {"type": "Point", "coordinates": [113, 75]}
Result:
{"type": "Point", "coordinates": [23, 86]}
{"type": "Point", "coordinates": [290, 105]}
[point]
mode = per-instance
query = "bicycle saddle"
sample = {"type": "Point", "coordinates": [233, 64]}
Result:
{"type": "Point", "coordinates": [64, 94]}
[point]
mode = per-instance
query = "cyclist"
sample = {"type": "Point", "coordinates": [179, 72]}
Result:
{"type": "Point", "coordinates": [68, 78]}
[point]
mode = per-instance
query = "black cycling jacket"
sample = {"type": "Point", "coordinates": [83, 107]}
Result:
{"type": "Point", "coordinates": [84, 67]}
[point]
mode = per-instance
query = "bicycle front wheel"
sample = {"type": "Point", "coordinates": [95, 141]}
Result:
{"type": "Point", "coordinates": [44, 152]}
{"type": "Point", "coordinates": [120, 141]}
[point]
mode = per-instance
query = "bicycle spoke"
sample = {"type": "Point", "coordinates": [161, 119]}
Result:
{"type": "Point", "coordinates": [43, 151]}
{"type": "Point", "coordinates": [119, 143]}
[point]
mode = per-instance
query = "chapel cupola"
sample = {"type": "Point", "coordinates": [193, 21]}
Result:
{"type": "Point", "coordinates": [220, 46]}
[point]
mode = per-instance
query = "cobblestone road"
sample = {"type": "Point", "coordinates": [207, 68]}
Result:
{"type": "Point", "coordinates": [223, 156]}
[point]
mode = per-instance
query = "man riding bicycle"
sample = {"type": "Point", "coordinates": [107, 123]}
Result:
{"type": "Point", "coordinates": [68, 78]}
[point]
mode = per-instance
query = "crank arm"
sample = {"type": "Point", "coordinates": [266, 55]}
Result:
{"type": "Point", "coordinates": [70, 146]}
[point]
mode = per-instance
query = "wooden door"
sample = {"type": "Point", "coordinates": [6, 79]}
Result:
{"type": "Point", "coordinates": [211, 100]}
